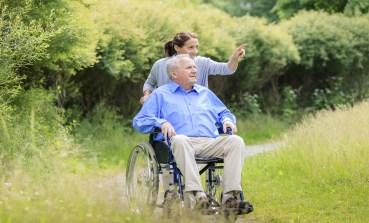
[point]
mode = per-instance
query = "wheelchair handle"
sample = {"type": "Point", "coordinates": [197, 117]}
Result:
{"type": "Point", "coordinates": [229, 131]}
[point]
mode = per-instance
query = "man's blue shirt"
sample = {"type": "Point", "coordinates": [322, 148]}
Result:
{"type": "Point", "coordinates": [192, 113]}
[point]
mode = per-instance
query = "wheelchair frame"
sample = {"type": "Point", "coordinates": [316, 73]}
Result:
{"type": "Point", "coordinates": [155, 161]}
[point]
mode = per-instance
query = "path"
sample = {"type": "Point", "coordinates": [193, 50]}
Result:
{"type": "Point", "coordinates": [118, 181]}
{"type": "Point", "coordinates": [253, 150]}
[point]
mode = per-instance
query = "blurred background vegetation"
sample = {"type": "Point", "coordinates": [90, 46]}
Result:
{"type": "Point", "coordinates": [64, 63]}
{"type": "Point", "coordinates": [71, 74]}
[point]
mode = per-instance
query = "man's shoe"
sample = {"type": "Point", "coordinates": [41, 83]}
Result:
{"type": "Point", "coordinates": [238, 207]}
{"type": "Point", "coordinates": [230, 203]}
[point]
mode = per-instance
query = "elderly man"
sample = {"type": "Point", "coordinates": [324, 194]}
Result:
{"type": "Point", "coordinates": [187, 113]}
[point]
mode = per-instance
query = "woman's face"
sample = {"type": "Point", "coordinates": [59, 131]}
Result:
{"type": "Point", "coordinates": [190, 47]}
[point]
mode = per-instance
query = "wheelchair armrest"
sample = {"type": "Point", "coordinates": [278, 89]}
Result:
{"type": "Point", "coordinates": [155, 130]}
{"type": "Point", "coordinates": [228, 131]}
{"type": "Point", "coordinates": [155, 135]}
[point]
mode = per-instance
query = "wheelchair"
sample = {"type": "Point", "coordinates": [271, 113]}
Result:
{"type": "Point", "coordinates": [149, 160]}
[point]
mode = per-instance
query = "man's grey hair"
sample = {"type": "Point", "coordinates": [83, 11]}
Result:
{"type": "Point", "coordinates": [173, 62]}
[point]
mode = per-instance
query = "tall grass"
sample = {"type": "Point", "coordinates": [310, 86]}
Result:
{"type": "Point", "coordinates": [106, 137]}
{"type": "Point", "coordinates": [261, 128]}
{"type": "Point", "coordinates": [321, 174]}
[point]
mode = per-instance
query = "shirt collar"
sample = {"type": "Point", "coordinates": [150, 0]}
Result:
{"type": "Point", "coordinates": [173, 87]}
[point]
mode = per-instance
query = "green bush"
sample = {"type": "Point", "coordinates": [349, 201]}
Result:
{"type": "Point", "coordinates": [106, 137]}
{"type": "Point", "coordinates": [33, 130]}
{"type": "Point", "coordinates": [289, 103]}
{"type": "Point", "coordinates": [269, 52]}
{"type": "Point", "coordinates": [133, 35]}
{"type": "Point", "coordinates": [331, 48]}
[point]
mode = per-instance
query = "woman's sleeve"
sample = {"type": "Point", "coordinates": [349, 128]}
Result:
{"type": "Point", "coordinates": [152, 80]}
{"type": "Point", "coordinates": [216, 68]}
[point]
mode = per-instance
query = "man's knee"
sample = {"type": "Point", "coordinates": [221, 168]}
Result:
{"type": "Point", "coordinates": [237, 140]}
{"type": "Point", "coordinates": [236, 143]}
{"type": "Point", "coordinates": [179, 139]}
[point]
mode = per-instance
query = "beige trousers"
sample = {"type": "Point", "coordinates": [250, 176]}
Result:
{"type": "Point", "coordinates": [230, 148]}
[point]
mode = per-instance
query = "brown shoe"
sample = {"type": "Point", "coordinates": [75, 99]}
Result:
{"type": "Point", "coordinates": [230, 203]}
{"type": "Point", "coordinates": [238, 207]}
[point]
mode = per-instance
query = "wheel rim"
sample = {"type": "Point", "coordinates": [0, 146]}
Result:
{"type": "Point", "coordinates": [142, 177]}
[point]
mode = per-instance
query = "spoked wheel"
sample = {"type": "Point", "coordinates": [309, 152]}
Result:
{"type": "Point", "coordinates": [213, 188]}
{"type": "Point", "coordinates": [142, 176]}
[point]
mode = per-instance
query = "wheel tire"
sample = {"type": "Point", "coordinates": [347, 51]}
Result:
{"type": "Point", "coordinates": [142, 176]}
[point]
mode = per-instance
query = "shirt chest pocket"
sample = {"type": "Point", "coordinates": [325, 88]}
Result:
{"type": "Point", "coordinates": [174, 111]}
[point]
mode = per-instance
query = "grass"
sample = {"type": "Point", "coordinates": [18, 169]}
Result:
{"type": "Point", "coordinates": [321, 174]}
{"type": "Point", "coordinates": [257, 129]}
{"type": "Point", "coordinates": [78, 186]}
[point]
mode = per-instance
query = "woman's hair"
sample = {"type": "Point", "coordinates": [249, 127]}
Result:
{"type": "Point", "coordinates": [179, 40]}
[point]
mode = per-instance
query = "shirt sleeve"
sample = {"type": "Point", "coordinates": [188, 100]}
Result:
{"type": "Point", "coordinates": [149, 115]}
{"type": "Point", "coordinates": [217, 68]}
{"type": "Point", "coordinates": [224, 114]}
{"type": "Point", "coordinates": [152, 80]}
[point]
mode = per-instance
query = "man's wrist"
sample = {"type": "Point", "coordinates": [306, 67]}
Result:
{"type": "Point", "coordinates": [226, 120]}
{"type": "Point", "coordinates": [160, 122]}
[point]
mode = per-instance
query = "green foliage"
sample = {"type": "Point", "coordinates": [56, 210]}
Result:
{"type": "Point", "coordinates": [320, 175]}
{"type": "Point", "coordinates": [332, 97]}
{"type": "Point", "coordinates": [63, 29]}
{"type": "Point", "coordinates": [269, 52]}
{"type": "Point", "coordinates": [58, 36]}
{"type": "Point", "coordinates": [21, 42]}
{"type": "Point", "coordinates": [356, 8]}
{"type": "Point", "coordinates": [333, 46]}
{"type": "Point", "coordinates": [259, 8]}
{"type": "Point", "coordinates": [248, 104]}
{"type": "Point", "coordinates": [134, 33]}
{"type": "Point", "coordinates": [104, 136]}
{"type": "Point", "coordinates": [132, 39]}
{"type": "Point", "coordinates": [33, 130]}
{"type": "Point", "coordinates": [321, 41]}
{"type": "Point", "coordinates": [288, 8]}
{"type": "Point", "coordinates": [261, 128]}
{"type": "Point", "coordinates": [289, 105]}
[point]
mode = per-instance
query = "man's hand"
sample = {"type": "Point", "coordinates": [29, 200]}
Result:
{"type": "Point", "coordinates": [167, 130]}
{"type": "Point", "coordinates": [229, 124]}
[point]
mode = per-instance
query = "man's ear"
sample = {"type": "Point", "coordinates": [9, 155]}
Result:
{"type": "Point", "coordinates": [174, 75]}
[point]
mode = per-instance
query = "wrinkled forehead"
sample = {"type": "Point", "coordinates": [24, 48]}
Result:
{"type": "Point", "coordinates": [185, 62]}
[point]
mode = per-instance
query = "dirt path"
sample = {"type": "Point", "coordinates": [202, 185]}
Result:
{"type": "Point", "coordinates": [252, 150]}
{"type": "Point", "coordinates": [118, 181]}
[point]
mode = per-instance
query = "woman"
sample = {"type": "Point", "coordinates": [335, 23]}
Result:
{"type": "Point", "coordinates": [187, 43]}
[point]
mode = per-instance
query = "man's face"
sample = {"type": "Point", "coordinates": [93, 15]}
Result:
{"type": "Point", "coordinates": [186, 73]}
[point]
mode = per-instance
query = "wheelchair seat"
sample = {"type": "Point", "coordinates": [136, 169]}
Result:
{"type": "Point", "coordinates": [204, 160]}
{"type": "Point", "coordinates": [161, 152]}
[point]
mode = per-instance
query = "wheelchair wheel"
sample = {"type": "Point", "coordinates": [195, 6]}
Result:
{"type": "Point", "coordinates": [142, 176]}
